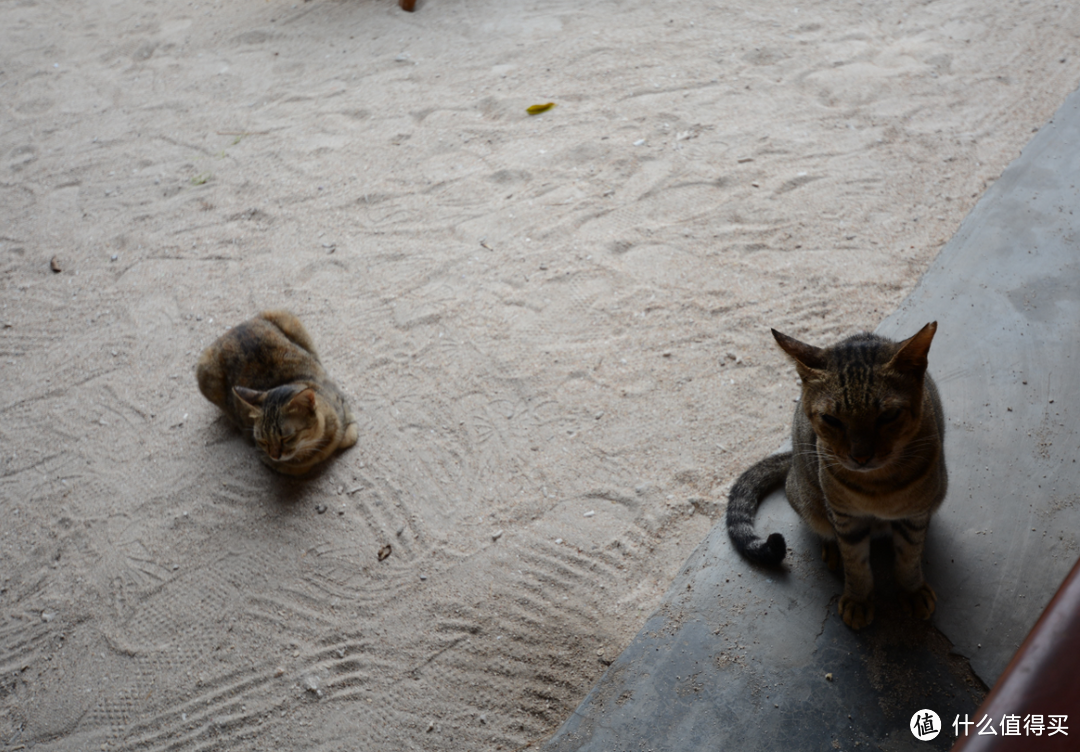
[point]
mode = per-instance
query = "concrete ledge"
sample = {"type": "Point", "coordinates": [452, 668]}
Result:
{"type": "Point", "coordinates": [747, 659]}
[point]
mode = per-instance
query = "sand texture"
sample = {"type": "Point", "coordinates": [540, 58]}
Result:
{"type": "Point", "coordinates": [554, 329]}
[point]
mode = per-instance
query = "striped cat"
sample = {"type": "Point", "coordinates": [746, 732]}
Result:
{"type": "Point", "coordinates": [868, 458]}
{"type": "Point", "coordinates": [265, 375]}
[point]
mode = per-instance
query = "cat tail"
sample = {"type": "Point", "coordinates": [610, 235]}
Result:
{"type": "Point", "coordinates": [747, 493]}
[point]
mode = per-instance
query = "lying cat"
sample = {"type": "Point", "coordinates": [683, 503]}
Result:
{"type": "Point", "coordinates": [868, 457]}
{"type": "Point", "coordinates": [264, 374]}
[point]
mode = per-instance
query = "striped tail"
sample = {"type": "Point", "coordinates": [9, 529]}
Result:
{"type": "Point", "coordinates": [747, 493]}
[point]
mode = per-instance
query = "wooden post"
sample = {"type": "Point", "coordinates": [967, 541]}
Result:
{"type": "Point", "coordinates": [1040, 680]}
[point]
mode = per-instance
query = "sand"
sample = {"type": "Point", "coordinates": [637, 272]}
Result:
{"type": "Point", "coordinates": [554, 329]}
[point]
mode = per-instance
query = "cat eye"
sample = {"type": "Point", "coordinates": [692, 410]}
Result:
{"type": "Point", "coordinates": [832, 420]}
{"type": "Point", "coordinates": [888, 417]}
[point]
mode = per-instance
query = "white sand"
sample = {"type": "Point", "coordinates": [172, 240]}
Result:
{"type": "Point", "coordinates": [555, 328]}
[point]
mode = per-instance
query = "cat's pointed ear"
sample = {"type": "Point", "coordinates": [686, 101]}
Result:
{"type": "Point", "coordinates": [303, 401]}
{"type": "Point", "coordinates": [912, 353]}
{"type": "Point", "coordinates": [250, 400]}
{"type": "Point", "coordinates": [806, 356]}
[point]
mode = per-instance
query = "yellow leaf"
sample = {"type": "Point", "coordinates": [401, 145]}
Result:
{"type": "Point", "coordinates": [536, 109]}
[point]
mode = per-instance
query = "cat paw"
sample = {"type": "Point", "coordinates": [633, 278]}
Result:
{"type": "Point", "coordinates": [352, 433]}
{"type": "Point", "coordinates": [921, 602]}
{"type": "Point", "coordinates": [294, 470]}
{"type": "Point", "coordinates": [830, 554]}
{"type": "Point", "coordinates": [855, 613]}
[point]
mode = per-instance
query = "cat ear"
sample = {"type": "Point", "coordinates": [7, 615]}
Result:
{"type": "Point", "coordinates": [303, 401]}
{"type": "Point", "coordinates": [250, 399]}
{"type": "Point", "coordinates": [912, 353]}
{"type": "Point", "coordinates": [805, 355]}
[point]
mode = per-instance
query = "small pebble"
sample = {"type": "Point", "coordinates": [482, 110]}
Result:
{"type": "Point", "coordinates": [590, 513]}
{"type": "Point", "coordinates": [828, 677]}
{"type": "Point", "coordinates": [320, 508]}
{"type": "Point", "coordinates": [496, 535]}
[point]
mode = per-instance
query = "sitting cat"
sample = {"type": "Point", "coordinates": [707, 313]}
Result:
{"type": "Point", "coordinates": [264, 374]}
{"type": "Point", "coordinates": [868, 457]}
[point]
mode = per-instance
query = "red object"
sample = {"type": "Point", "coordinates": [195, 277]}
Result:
{"type": "Point", "coordinates": [407, 5]}
{"type": "Point", "coordinates": [1042, 679]}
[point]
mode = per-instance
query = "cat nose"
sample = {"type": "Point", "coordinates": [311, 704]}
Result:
{"type": "Point", "coordinates": [861, 459]}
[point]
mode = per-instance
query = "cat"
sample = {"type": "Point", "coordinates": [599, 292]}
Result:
{"type": "Point", "coordinates": [266, 377]}
{"type": "Point", "coordinates": [867, 457]}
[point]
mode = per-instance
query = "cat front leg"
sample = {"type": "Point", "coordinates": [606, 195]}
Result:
{"type": "Point", "coordinates": [352, 433]}
{"type": "Point", "coordinates": [909, 540]}
{"type": "Point", "coordinates": [351, 429]}
{"type": "Point", "coordinates": [853, 539]}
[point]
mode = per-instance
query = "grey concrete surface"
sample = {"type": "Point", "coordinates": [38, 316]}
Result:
{"type": "Point", "coordinates": [743, 658]}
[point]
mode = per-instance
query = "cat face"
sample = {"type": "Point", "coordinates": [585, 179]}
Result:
{"type": "Point", "coordinates": [862, 437]}
{"type": "Point", "coordinates": [286, 424]}
{"type": "Point", "coordinates": [863, 397]}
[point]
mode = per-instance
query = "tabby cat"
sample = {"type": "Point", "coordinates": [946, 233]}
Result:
{"type": "Point", "coordinates": [265, 375]}
{"type": "Point", "coordinates": [867, 457]}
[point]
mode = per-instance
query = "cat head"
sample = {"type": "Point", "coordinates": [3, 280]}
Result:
{"type": "Point", "coordinates": [863, 396]}
{"type": "Point", "coordinates": [286, 424]}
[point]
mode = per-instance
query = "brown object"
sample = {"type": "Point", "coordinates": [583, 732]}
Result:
{"type": "Point", "coordinates": [407, 5]}
{"type": "Point", "coordinates": [1040, 680]}
{"type": "Point", "coordinates": [54, 264]}
{"type": "Point", "coordinates": [384, 552]}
